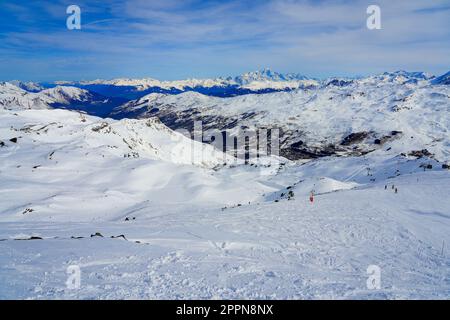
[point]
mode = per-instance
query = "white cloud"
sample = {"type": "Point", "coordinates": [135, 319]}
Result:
{"type": "Point", "coordinates": [315, 37]}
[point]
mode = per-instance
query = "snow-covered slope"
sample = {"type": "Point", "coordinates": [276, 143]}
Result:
{"type": "Point", "coordinates": [67, 95]}
{"type": "Point", "coordinates": [143, 217]}
{"type": "Point", "coordinates": [14, 97]}
{"type": "Point", "coordinates": [122, 201]}
{"type": "Point", "coordinates": [126, 138]}
{"type": "Point", "coordinates": [11, 96]}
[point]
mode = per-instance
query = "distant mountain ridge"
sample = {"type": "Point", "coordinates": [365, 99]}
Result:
{"type": "Point", "coordinates": [263, 81]}
{"type": "Point", "coordinates": [64, 97]}
{"type": "Point", "coordinates": [255, 82]}
{"type": "Point", "coordinates": [267, 75]}
{"type": "Point", "coordinates": [104, 97]}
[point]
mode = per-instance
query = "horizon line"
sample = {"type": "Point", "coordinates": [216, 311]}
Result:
{"type": "Point", "coordinates": [222, 77]}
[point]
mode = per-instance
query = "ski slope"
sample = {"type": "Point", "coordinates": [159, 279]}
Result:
{"type": "Point", "coordinates": [290, 249]}
{"type": "Point", "coordinates": [144, 218]}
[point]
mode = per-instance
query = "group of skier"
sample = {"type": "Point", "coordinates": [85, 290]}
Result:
{"type": "Point", "coordinates": [392, 187]}
{"type": "Point", "coordinates": [311, 195]}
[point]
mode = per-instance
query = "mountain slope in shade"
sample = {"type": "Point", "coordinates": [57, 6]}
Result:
{"type": "Point", "coordinates": [443, 80]}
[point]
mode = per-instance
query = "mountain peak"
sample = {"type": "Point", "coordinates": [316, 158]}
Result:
{"type": "Point", "coordinates": [402, 77]}
{"type": "Point", "coordinates": [27, 86]}
{"type": "Point", "coordinates": [267, 74]}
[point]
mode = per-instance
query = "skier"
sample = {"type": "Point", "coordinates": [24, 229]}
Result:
{"type": "Point", "coordinates": [396, 191]}
{"type": "Point", "coordinates": [385, 187]}
{"type": "Point", "coordinates": [311, 197]}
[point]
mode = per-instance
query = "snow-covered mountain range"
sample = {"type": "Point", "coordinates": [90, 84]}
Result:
{"type": "Point", "coordinates": [336, 116]}
{"type": "Point", "coordinates": [340, 117]}
{"type": "Point", "coordinates": [263, 80]}
{"type": "Point", "coordinates": [146, 213]}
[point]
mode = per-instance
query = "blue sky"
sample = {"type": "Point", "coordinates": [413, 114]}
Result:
{"type": "Point", "coordinates": [177, 39]}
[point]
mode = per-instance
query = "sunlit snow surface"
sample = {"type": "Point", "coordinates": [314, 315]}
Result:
{"type": "Point", "coordinates": [194, 228]}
